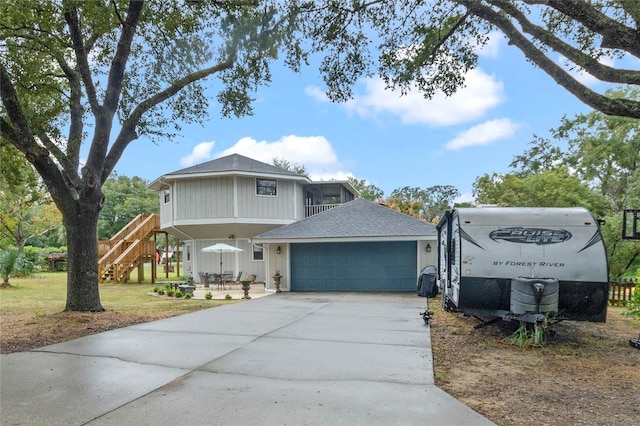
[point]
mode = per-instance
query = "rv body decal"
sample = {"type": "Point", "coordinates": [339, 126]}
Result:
{"type": "Point", "coordinates": [468, 237]}
{"type": "Point", "coordinates": [597, 237]}
{"type": "Point", "coordinates": [539, 236]}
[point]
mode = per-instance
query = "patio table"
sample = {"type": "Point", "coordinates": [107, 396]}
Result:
{"type": "Point", "coordinates": [221, 279]}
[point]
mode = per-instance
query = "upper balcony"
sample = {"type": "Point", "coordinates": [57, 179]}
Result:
{"type": "Point", "coordinates": [319, 208]}
{"type": "Point", "coordinates": [322, 196]}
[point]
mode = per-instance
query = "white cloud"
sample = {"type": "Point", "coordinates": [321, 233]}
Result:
{"type": "Point", "coordinates": [200, 153]}
{"type": "Point", "coordinates": [315, 153]}
{"type": "Point", "coordinates": [482, 92]}
{"type": "Point", "coordinates": [484, 134]}
{"type": "Point", "coordinates": [316, 93]}
{"type": "Point", "coordinates": [493, 46]}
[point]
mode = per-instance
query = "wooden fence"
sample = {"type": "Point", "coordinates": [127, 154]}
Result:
{"type": "Point", "coordinates": [621, 292]}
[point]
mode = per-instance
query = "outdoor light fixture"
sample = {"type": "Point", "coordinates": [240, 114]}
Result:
{"type": "Point", "coordinates": [278, 250]}
{"type": "Point", "coordinates": [428, 248]}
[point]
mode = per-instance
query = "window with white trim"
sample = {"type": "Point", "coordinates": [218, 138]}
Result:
{"type": "Point", "coordinates": [167, 195]}
{"type": "Point", "coordinates": [258, 252]}
{"type": "Point", "coordinates": [266, 187]}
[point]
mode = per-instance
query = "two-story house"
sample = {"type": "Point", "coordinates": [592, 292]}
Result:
{"type": "Point", "coordinates": [319, 235]}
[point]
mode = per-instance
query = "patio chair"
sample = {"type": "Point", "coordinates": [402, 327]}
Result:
{"type": "Point", "coordinates": [235, 282]}
{"type": "Point", "coordinates": [205, 278]}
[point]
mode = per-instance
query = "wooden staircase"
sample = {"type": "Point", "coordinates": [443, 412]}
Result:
{"type": "Point", "coordinates": [128, 249]}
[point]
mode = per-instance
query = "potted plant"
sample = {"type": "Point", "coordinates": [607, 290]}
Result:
{"type": "Point", "coordinates": [246, 285]}
{"type": "Point", "coordinates": [277, 279]}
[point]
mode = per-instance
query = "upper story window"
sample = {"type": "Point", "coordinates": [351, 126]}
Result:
{"type": "Point", "coordinates": [266, 187]}
{"type": "Point", "coordinates": [167, 195]}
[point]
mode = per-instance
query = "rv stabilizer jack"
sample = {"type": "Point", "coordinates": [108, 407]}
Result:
{"type": "Point", "coordinates": [426, 316]}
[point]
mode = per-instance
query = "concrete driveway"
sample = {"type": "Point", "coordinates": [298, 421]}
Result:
{"type": "Point", "coordinates": [285, 359]}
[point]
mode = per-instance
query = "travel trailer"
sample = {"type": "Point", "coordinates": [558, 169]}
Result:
{"type": "Point", "coordinates": [523, 263]}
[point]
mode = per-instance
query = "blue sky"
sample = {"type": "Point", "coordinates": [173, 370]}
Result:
{"type": "Point", "coordinates": [390, 140]}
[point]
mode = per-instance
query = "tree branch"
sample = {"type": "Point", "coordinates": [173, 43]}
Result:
{"type": "Point", "coordinates": [104, 120]}
{"type": "Point", "coordinates": [7, 229]}
{"type": "Point", "coordinates": [633, 10]}
{"type": "Point", "coordinates": [587, 62]}
{"type": "Point", "coordinates": [69, 165]}
{"type": "Point", "coordinates": [71, 160]}
{"type": "Point", "coordinates": [620, 107]}
{"type": "Point", "coordinates": [82, 64]}
{"type": "Point", "coordinates": [128, 133]}
{"type": "Point", "coordinates": [614, 34]}
{"type": "Point", "coordinates": [118, 65]}
{"type": "Point", "coordinates": [23, 139]}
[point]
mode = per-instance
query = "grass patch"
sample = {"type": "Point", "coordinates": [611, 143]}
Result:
{"type": "Point", "coordinates": [46, 293]}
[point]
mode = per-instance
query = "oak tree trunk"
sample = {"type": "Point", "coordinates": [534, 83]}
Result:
{"type": "Point", "coordinates": [82, 264]}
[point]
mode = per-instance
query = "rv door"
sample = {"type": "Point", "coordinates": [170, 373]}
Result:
{"type": "Point", "coordinates": [443, 260]}
{"type": "Point", "coordinates": [448, 259]}
{"type": "Point", "coordinates": [454, 256]}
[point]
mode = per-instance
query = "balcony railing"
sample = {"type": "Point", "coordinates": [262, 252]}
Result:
{"type": "Point", "coordinates": [312, 210]}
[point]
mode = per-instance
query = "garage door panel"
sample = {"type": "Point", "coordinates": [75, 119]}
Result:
{"type": "Point", "coordinates": [374, 266]}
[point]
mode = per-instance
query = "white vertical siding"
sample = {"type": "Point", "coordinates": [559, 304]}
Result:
{"type": "Point", "coordinates": [280, 206]}
{"type": "Point", "coordinates": [204, 198]}
{"type": "Point", "coordinates": [166, 212]}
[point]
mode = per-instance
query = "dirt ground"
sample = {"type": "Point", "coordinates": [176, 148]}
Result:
{"type": "Point", "coordinates": [587, 374]}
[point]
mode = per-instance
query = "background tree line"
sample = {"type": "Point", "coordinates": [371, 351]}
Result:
{"type": "Point", "coordinates": [590, 161]}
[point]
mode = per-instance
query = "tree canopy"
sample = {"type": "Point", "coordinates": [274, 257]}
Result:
{"type": "Point", "coordinates": [367, 190]}
{"type": "Point", "coordinates": [82, 80]}
{"type": "Point", "coordinates": [424, 203]}
{"type": "Point", "coordinates": [125, 198]}
{"type": "Point", "coordinates": [432, 45]}
{"type": "Point", "coordinates": [26, 210]}
{"type": "Point", "coordinates": [602, 151]}
{"type": "Point", "coordinates": [290, 166]}
{"type": "Point", "coordinates": [592, 162]}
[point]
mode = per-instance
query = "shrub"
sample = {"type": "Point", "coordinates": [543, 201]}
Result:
{"type": "Point", "coordinates": [187, 296]}
{"type": "Point", "coordinates": [31, 258]}
{"type": "Point", "coordinates": [633, 307]}
{"type": "Point", "coordinates": [178, 294]}
{"type": "Point", "coordinates": [161, 292]}
{"type": "Point", "coordinates": [530, 335]}
{"type": "Point", "coordinates": [156, 290]}
{"type": "Point", "coordinates": [43, 264]}
{"type": "Point", "coordinates": [10, 264]}
{"type": "Point", "coordinates": [208, 296]}
{"type": "Point", "coordinates": [228, 297]}
{"type": "Point", "coordinates": [171, 293]}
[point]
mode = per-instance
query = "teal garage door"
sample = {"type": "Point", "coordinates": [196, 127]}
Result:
{"type": "Point", "coordinates": [374, 266]}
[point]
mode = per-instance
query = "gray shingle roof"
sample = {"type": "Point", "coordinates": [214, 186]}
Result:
{"type": "Point", "coordinates": [357, 218]}
{"type": "Point", "coordinates": [233, 163]}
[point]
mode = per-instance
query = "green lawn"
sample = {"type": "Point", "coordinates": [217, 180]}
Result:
{"type": "Point", "coordinates": [46, 292]}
